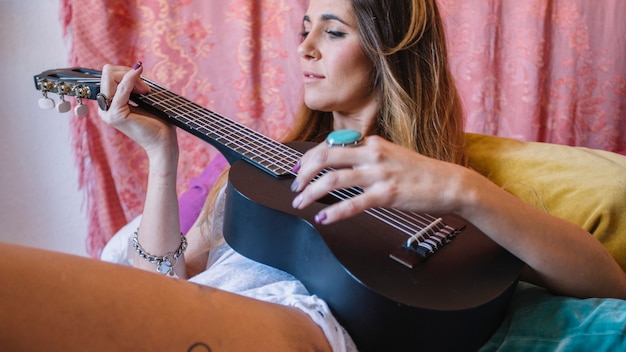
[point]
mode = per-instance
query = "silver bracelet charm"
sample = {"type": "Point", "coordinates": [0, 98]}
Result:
{"type": "Point", "coordinates": [165, 263]}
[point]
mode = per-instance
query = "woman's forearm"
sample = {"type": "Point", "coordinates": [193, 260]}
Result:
{"type": "Point", "coordinates": [159, 231]}
{"type": "Point", "coordinates": [561, 256]}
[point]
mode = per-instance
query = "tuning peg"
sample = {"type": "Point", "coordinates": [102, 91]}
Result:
{"type": "Point", "coordinates": [81, 110]}
{"type": "Point", "coordinates": [64, 106]}
{"type": "Point", "coordinates": [45, 102]}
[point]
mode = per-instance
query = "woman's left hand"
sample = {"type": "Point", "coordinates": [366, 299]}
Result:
{"type": "Point", "coordinates": [391, 176]}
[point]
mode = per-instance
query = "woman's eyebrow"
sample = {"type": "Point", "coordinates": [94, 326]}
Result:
{"type": "Point", "coordinates": [325, 17]}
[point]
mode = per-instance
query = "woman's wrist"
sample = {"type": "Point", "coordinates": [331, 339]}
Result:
{"type": "Point", "coordinates": [473, 197]}
{"type": "Point", "coordinates": [164, 263]}
{"type": "Point", "coordinates": [163, 162]}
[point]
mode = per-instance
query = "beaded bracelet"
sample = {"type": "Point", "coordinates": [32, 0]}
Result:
{"type": "Point", "coordinates": [164, 264]}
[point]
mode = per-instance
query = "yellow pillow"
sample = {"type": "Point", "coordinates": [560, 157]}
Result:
{"type": "Point", "coordinates": [584, 186]}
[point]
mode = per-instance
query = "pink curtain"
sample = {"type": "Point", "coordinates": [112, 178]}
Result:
{"type": "Point", "coordinates": [546, 70]}
{"type": "Point", "coordinates": [541, 70]}
{"type": "Point", "coordinates": [234, 57]}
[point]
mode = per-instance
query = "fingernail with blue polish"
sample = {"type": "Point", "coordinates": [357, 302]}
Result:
{"type": "Point", "coordinates": [320, 217]}
{"type": "Point", "coordinates": [137, 65]}
{"type": "Point", "coordinates": [294, 186]}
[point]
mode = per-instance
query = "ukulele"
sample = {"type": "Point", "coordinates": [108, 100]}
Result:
{"type": "Point", "coordinates": [395, 280]}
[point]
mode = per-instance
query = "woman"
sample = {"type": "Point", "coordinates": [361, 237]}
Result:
{"type": "Point", "coordinates": [372, 66]}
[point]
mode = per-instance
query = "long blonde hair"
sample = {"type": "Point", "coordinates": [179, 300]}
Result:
{"type": "Point", "coordinates": [421, 110]}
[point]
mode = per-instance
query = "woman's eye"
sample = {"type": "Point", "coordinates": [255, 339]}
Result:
{"type": "Point", "coordinates": [336, 34]}
{"type": "Point", "coordinates": [333, 34]}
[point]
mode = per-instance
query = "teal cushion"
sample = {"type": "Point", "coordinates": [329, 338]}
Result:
{"type": "Point", "coordinates": [539, 321]}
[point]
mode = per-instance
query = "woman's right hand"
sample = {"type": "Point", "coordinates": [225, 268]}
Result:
{"type": "Point", "coordinates": [152, 134]}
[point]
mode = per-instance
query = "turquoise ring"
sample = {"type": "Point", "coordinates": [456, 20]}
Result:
{"type": "Point", "coordinates": [344, 138]}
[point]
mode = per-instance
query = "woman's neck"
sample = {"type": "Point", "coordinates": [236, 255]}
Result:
{"type": "Point", "coordinates": [363, 121]}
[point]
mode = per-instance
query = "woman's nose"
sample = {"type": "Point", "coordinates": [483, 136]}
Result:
{"type": "Point", "coordinates": [308, 51]}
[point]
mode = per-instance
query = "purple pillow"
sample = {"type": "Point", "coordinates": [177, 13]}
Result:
{"type": "Point", "coordinates": [192, 200]}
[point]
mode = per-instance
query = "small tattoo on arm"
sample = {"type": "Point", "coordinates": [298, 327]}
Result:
{"type": "Point", "coordinates": [199, 347]}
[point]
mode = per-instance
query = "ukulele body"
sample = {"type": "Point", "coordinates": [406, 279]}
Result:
{"type": "Point", "coordinates": [453, 300]}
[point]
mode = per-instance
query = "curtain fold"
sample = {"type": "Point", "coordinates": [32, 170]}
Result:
{"type": "Point", "coordinates": [536, 70]}
{"type": "Point", "coordinates": [541, 70]}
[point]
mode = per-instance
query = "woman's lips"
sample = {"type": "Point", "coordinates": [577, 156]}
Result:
{"type": "Point", "coordinates": [311, 76]}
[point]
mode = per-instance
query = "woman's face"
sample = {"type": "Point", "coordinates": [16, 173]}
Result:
{"type": "Point", "coordinates": [337, 74]}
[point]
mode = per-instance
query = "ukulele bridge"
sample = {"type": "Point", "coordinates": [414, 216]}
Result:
{"type": "Point", "coordinates": [427, 242]}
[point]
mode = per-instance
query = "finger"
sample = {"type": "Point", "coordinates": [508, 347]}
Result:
{"type": "Point", "coordinates": [344, 209]}
{"type": "Point", "coordinates": [378, 194]}
{"type": "Point", "coordinates": [119, 109]}
{"type": "Point", "coordinates": [339, 181]}
{"type": "Point", "coordinates": [112, 75]}
{"type": "Point", "coordinates": [125, 87]}
{"type": "Point", "coordinates": [140, 86]}
{"type": "Point", "coordinates": [322, 157]}
{"type": "Point", "coordinates": [110, 79]}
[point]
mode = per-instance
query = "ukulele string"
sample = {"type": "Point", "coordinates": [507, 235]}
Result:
{"type": "Point", "coordinates": [418, 227]}
{"type": "Point", "coordinates": [251, 144]}
{"type": "Point", "coordinates": [257, 147]}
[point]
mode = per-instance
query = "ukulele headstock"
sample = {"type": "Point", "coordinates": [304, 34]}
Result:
{"type": "Point", "coordinates": [79, 83]}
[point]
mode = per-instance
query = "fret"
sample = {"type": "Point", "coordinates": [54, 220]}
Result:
{"type": "Point", "coordinates": [176, 107]}
{"type": "Point", "coordinates": [172, 109]}
{"type": "Point", "coordinates": [238, 138]}
{"type": "Point", "coordinates": [156, 95]}
{"type": "Point", "coordinates": [195, 109]}
{"type": "Point", "coordinates": [201, 122]}
{"type": "Point", "coordinates": [157, 102]}
{"type": "Point", "coordinates": [230, 141]}
{"type": "Point", "coordinates": [268, 156]}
